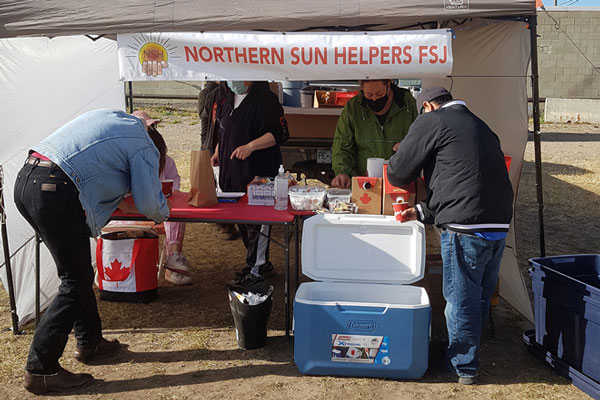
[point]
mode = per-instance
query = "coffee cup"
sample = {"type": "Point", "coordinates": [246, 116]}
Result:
{"type": "Point", "coordinates": [398, 209]}
{"type": "Point", "coordinates": [167, 186]}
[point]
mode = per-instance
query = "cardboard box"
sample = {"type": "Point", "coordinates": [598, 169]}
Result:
{"type": "Point", "coordinates": [261, 194]}
{"type": "Point", "coordinates": [366, 194]}
{"type": "Point", "coordinates": [414, 193]}
{"type": "Point", "coordinates": [434, 279]}
{"type": "Point", "coordinates": [391, 193]}
{"type": "Point", "coordinates": [311, 125]}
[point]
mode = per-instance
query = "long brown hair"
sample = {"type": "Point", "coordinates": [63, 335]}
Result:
{"type": "Point", "coordinates": [160, 144]}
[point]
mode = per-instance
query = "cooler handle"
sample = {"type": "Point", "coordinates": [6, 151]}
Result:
{"type": "Point", "coordinates": [356, 309]}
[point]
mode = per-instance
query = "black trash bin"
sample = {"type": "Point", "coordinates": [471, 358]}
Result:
{"type": "Point", "coordinates": [250, 321]}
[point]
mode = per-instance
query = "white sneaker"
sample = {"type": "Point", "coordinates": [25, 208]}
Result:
{"type": "Point", "coordinates": [177, 268]}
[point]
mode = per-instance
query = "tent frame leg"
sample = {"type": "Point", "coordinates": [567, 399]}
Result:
{"type": "Point", "coordinates": [129, 96]}
{"type": "Point", "coordinates": [9, 277]}
{"type": "Point", "coordinates": [536, 131]}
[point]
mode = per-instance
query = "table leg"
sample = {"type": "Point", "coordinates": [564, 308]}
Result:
{"type": "Point", "coordinates": [298, 221]}
{"type": "Point", "coordinates": [287, 280]}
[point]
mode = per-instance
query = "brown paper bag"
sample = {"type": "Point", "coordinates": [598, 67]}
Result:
{"type": "Point", "coordinates": [203, 191]}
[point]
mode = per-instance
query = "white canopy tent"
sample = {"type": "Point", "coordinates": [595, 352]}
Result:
{"type": "Point", "coordinates": [47, 82]}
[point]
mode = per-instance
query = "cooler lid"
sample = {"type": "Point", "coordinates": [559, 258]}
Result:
{"type": "Point", "coordinates": [363, 248]}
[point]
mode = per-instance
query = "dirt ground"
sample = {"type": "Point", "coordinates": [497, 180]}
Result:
{"type": "Point", "coordinates": [183, 346]}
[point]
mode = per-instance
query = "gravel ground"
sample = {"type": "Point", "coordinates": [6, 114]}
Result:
{"type": "Point", "coordinates": [182, 346]}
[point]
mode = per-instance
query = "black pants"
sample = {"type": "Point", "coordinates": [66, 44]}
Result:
{"type": "Point", "coordinates": [49, 201]}
{"type": "Point", "coordinates": [257, 245]}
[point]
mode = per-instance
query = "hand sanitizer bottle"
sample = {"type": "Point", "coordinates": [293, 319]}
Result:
{"type": "Point", "coordinates": [281, 190]}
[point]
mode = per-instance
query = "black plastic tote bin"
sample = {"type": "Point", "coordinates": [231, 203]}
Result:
{"type": "Point", "coordinates": [567, 309]}
{"type": "Point", "coordinates": [250, 321]}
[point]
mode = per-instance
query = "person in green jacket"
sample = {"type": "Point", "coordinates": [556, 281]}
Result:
{"type": "Point", "coordinates": [372, 124]}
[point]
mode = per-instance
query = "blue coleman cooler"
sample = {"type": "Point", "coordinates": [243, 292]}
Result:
{"type": "Point", "coordinates": [360, 318]}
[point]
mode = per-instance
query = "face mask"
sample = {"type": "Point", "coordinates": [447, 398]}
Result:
{"type": "Point", "coordinates": [377, 105]}
{"type": "Point", "coordinates": [237, 87]}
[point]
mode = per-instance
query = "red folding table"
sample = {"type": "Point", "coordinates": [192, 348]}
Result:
{"type": "Point", "coordinates": [235, 213]}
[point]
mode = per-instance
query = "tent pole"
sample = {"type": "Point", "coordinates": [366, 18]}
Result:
{"type": "Point", "coordinates": [536, 130]}
{"type": "Point", "coordinates": [130, 86]}
{"type": "Point", "coordinates": [9, 277]}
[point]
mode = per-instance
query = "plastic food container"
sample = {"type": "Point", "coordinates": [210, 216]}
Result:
{"type": "Point", "coordinates": [306, 197]}
{"type": "Point", "coordinates": [336, 194]}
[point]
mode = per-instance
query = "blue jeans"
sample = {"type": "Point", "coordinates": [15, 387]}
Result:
{"type": "Point", "coordinates": [471, 266]}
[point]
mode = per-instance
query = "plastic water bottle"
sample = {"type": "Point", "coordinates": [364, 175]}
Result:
{"type": "Point", "coordinates": [281, 190]}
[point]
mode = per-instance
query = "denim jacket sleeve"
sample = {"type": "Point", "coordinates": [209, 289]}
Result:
{"type": "Point", "coordinates": [145, 185]}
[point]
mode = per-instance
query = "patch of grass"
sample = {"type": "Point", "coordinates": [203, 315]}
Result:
{"type": "Point", "coordinates": [171, 115]}
{"type": "Point", "coordinates": [542, 118]}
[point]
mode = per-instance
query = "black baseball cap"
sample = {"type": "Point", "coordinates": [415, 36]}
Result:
{"type": "Point", "coordinates": [429, 94]}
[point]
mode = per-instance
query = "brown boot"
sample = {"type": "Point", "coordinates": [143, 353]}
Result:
{"type": "Point", "coordinates": [104, 348]}
{"type": "Point", "coordinates": [62, 381]}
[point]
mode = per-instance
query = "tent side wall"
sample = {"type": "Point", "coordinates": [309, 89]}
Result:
{"type": "Point", "coordinates": [45, 83]}
{"type": "Point", "coordinates": [490, 74]}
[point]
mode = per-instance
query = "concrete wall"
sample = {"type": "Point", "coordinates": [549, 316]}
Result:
{"type": "Point", "coordinates": [564, 71]}
{"type": "Point", "coordinates": [572, 110]}
{"type": "Point", "coordinates": [172, 88]}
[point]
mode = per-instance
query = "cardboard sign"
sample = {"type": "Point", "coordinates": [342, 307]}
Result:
{"type": "Point", "coordinates": [366, 194]}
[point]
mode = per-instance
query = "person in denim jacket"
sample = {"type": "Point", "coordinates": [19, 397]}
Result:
{"type": "Point", "coordinates": [69, 186]}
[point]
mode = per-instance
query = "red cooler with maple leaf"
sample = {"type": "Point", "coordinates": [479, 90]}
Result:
{"type": "Point", "coordinates": [127, 267]}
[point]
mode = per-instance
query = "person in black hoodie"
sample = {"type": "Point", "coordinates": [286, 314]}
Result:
{"type": "Point", "coordinates": [469, 196]}
{"type": "Point", "coordinates": [252, 128]}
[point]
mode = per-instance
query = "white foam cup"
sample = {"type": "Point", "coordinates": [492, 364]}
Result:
{"type": "Point", "coordinates": [375, 167]}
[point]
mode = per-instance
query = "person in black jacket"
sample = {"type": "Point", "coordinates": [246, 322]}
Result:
{"type": "Point", "coordinates": [251, 129]}
{"type": "Point", "coordinates": [210, 99]}
{"type": "Point", "coordinates": [469, 196]}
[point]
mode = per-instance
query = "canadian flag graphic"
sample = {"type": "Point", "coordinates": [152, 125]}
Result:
{"type": "Point", "coordinates": [127, 265]}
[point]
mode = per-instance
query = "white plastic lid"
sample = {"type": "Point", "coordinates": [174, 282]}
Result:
{"type": "Point", "coordinates": [363, 248]}
{"type": "Point", "coordinates": [281, 170]}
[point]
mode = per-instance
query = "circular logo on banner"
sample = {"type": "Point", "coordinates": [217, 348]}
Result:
{"type": "Point", "coordinates": [386, 360]}
{"type": "Point", "coordinates": [152, 52]}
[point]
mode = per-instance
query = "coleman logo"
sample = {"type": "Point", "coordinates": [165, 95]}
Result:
{"type": "Point", "coordinates": [456, 4]}
{"type": "Point", "coordinates": [368, 326]}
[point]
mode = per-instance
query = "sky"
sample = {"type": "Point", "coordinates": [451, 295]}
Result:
{"type": "Point", "coordinates": [580, 3]}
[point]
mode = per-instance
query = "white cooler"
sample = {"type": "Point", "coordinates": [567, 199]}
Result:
{"type": "Point", "coordinates": [360, 318]}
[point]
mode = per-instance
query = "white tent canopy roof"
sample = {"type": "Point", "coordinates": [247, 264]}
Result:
{"type": "Point", "coordinates": [75, 17]}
